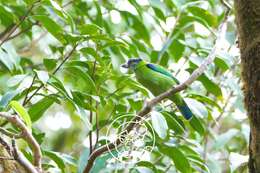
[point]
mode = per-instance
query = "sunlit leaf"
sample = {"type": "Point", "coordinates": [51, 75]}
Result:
{"type": "Point", "coordinates": [180, 160]}
{"type": "Point", "coordinates": [37, 110]}
{"type": "Point", "coordinates": [159, 124]}
{"type": "Point", "coordinates": [22, 112]}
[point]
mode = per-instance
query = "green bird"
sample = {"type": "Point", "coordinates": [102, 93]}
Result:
{"type": "Point", "coordinates": [158, 80]}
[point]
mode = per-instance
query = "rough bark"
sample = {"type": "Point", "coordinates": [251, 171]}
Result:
{"type": "Point", "coordinates": [248, 25]}
{"type": "Point", "coordinates": [9, 166]}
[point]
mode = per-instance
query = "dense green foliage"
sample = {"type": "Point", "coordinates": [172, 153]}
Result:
{"type": "Point", "coordinates": [60, 71]}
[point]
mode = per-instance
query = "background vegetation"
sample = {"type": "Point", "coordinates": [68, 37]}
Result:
{"type": "Point", "coordinates": [60, 62]}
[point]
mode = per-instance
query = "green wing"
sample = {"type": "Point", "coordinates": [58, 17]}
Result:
{"type": "Point", "coordinates": [161, 70]}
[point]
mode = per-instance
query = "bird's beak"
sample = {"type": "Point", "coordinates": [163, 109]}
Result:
{"type": "Point", "coordinates": [125, 65]}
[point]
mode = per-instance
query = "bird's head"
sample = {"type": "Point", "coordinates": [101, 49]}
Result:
{"type": "Point", "coordinates": [132, 63]}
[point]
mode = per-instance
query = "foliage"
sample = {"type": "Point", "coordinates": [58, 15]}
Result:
{"type": "Point", "coordinates": [60, 71]}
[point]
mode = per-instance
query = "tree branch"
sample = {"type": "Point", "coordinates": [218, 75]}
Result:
{"type": "Point", "coordinates": [6, 36]}
{"type": "Point", "coordinates": [6, 146]}
{"type": "Point", "coordinates": [21, 32]}
{"type": "Point", "coordinates": [19, 157]}
{"type": "Point", "coordinates": [146, 109]}
{"type": "Point", "coordinates": [27, 136]}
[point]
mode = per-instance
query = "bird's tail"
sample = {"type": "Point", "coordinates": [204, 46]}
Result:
{"type": "Point", "coordinates": [185, 110]}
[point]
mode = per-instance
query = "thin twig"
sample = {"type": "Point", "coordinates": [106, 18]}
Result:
{"type": "Point", "coordinates": [53, 73]}
{"type": "Point", "coordinates": [6, 146]}
{"type": "Point", "coordinates": [28, 90]}
{"type": "Point", "coordinates": [146, 109]}
{"type": "Point", "coordinates": [19, 157]}
{"type": "Point", "coordinates": [226, 4]}
{"type": "Point", "coordinates": [114, 92]}
{"type": "Point", "coordinates": [67, 4]}
{"type": "Point", "coordinates": [6, 36]}
{"type": "Point", "coordinates": [90, 132]}
{"type": "Point", "coordinates": [22, 31]}
{"type": "Point", "coordinates": [179, 70]}
{"type": "Point", "coordinates": [6, 158]}
{"type": "Point", "coordinates": [97, 127]}
{"type": "Point", "coordinates": [223, 110]}
{"type": "Point", "coordinates": [168, 168]}
{"type": "Point", "coordinates": [10, 134]}
{"type": "Point", "coordinates": [91, 112]}
{"type": "Point", "coordinates": [27, 136]}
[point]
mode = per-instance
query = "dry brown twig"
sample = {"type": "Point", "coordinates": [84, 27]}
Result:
{"type": "Point", "coordinates": [28, 137]}
{"type": "Point", "coordinates": [19, 157]}
{"type": "Point", "coordinates": [148, 107]}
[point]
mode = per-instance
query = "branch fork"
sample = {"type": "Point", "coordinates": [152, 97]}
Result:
{"type": "Point", "coordinates": [26, 134]}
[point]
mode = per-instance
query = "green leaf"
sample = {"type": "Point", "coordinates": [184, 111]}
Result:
{"type": "Point", "coordinates": [15, 80]}
{"type": "Point", "coordinates": [61, 159]}
{"type": "Point", "coordinates": [197, 108]}
{"type": "Point", "coordinates": [159, 124]}
{"type": "Point", "coordinates": [78, 64]}
{"type": "Point", "coordinates": [99, 17]}
{"type": "Point", "coordinates": [83, 160]}
{"type": "Point", "coordinates": [137, 25]}
{"type": "Point", "coordinates": [99, 164]}
{"type": "Point", "coordinates": [21, 111]}
{"type": "Point", "coordinates": [147, 165]}
{"type": "Point", "coordinates": [7, 17]}
{"type": "Point", "coordinates": [159, 13]}
{"type": "Point", "coordinates": [56, 158]}
{"type": "Point", "coordinates": [205, 99]}
{"type": "Point", "coordinates": [221, 64]}
{"type": "Point", "coordinates": [8, 56]}
{"type": "Point", "coordinates": [89, 51]}
{"type": "Point", "coordinates": [89, 29]}
{"type": "Point", "coordinates": [78, 73]}
{"type": "Point", "coordinates": [43, 76]}
{"type": "Point", "coordinates": [197, 125]}
{"type": "Point", "coordinates": [37, 110]}
{"type": "Point", "coordinates": [176, 49]}
{"type": "Point", "coordinates": [187, 21]}
{"type": "Point", "coordinates": [51, 26]}
{"type": "Point", "coordinates": [180, 160]}
{"type": "Point", "coordinates": [199, 163]}
{"type": "Point", "coordinates": [7, 97]}
{"type": "Point", "coordinates": [105, 110]}
{"type": "Point", "coordinates": [175, 40]}
{"type": "Point", "coordinates": [50, 64]}
{"type": "Point", "coordinates": [173, 124]}
{"type": "Point", "coordinates": [210, 85]}
{"type": "Point", "coordinates": [205, 15]}
{"type": "Point", "coordinates": [224, 138]}
{"type": "Point", "coordinates": [135, 85]}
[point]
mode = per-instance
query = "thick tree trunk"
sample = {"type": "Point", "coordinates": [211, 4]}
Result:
{"type": "Point", "coordinates": [248, 24]}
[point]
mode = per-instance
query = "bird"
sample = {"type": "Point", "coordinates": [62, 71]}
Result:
{"type": "Point", "coordinates": [157, 80]}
